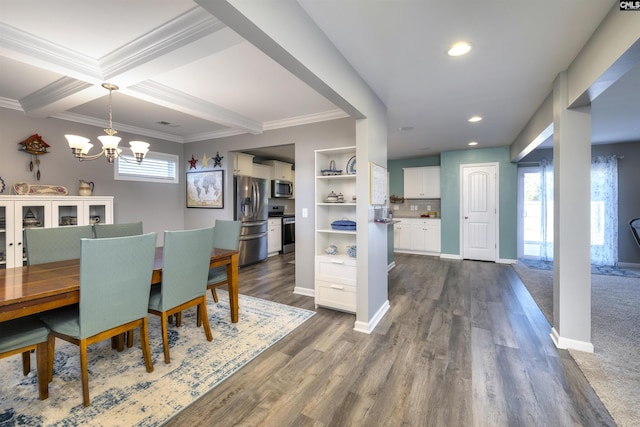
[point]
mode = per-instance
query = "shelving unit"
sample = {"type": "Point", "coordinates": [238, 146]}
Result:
{"type": "Point", "coordinates": [335, 275]}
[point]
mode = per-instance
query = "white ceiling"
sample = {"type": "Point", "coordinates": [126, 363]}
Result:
{"type": "Point", "coordinates": [176, 63]}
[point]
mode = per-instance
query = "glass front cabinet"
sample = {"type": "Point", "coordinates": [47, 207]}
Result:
{"type": "Point", "coordinates": [20, 212]}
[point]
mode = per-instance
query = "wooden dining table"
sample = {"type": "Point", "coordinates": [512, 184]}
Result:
{"type": "Point", "coordinates": [37, 288]}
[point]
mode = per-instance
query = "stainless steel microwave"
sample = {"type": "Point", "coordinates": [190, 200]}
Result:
{"type": "Point", "coordinates": [281, 188]}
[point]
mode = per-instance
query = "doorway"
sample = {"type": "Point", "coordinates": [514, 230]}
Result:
{"type": "Point", "coordinates": [479, 204]}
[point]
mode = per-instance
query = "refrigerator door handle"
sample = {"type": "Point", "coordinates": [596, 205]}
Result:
{"type": "Point", "coordinates": [253, 236]}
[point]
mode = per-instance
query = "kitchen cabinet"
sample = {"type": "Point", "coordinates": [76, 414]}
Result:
{"type": "Point", "coordinates": [335, 274]}
{"type": "Point", "coordinates": [242, 164]}
{"type": "Point", "coordinates": [422, 182]}
{"type": "Point", "coordinates": [274, 236]}
{"type": "Point", "coordinates": [418, 236]}
{"type": "Point", "coordinates": [402, 235]}
{"type": "Point", "coordinates": [46, 212]}
{"type": "Point", "coordinates": [279, 170]}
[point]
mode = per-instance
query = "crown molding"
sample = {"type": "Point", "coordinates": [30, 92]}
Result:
{"type": "Point", "coordinates": [11, 104]}
{"type": "Point", "coordinates": [306, 119]}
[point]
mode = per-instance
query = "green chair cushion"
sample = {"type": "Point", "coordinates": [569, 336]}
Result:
{"type": "Point", "coordinates": [216, 275]}
{"type": "Point", "coordinates": [23, 332]}
{"type": "Point", "coordinates": [64, 321]}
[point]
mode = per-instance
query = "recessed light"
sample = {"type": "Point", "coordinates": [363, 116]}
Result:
{"type": "Point", "coordinates": [405, 128]}
{"type": "Point", "coordinates": [474, 119]}
{"type": "Point", "coordinates": [472, 143]}
{"type": "Point", "coordinates": [459, 48]}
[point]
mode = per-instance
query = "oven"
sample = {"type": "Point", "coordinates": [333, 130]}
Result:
{"type": "Point", "coordinates": [288, 233]}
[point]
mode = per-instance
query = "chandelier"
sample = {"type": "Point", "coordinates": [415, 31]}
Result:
{"type": "Point", "coordinates": [81, 145]}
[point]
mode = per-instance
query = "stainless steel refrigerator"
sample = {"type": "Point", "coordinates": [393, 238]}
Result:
{"type": "Point", "coordinates": [251, 208]}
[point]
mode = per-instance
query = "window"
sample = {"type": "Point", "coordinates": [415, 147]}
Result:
{"type": "Point", "coordinates": [156, 167]}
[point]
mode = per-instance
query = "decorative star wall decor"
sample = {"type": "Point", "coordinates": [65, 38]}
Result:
{"type": "Point", "coordinates": [205, 160]}
{"type": "Point", "coordinates": [217, 160]}
{"type": "Point", "coordinates": [193, 162]}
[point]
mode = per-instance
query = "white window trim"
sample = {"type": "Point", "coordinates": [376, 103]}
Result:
{"type": "Point", "coordinates": [145, 178]}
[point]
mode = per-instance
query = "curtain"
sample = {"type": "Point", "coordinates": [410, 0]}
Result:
{"type": "Point", "coordinates": [546, 208]}
{"type": "Point", "coordinates": [604, 210]}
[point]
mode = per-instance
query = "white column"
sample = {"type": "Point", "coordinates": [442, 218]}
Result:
{"type": "Point", "coordinates": [571, 247]}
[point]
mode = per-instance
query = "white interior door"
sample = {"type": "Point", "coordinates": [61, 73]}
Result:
{"type": "Point", "coordinates": [479, 211]}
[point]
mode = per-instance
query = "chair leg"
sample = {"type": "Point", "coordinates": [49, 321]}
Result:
{"type": "Point", "coordinates": [43, 369]}
{"type": "Point", "coordinates": [165, 337]}
{"type": "Point", "coordinates": [26, 362]}
{"type": "Point", "coordinates": [199, 317]}
{"type": "Point", "coordinates": [205, 317]}
{"type": "Point", "coordinates": [84, 372]}
{"type": "Point", "coordinates": [130, 338]}
{"type": "Point", "coordinates": [178, 316]}
{"type": "Point", "coordinates": [144, 343]}
{"type": "Point", "coordinates": [51, 348]}
{"type": "Point", "coordinates": [214, 294]}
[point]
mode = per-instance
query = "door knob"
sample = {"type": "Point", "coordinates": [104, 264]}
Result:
{"type": "Point", "coordinates": [466, 217]}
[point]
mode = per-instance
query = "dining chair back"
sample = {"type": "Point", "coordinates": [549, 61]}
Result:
{"type": "Point", "coordinates": [186, 259]}
{"type": "Point", "coordinates": [22, 336]}
{"type": "Point", "coordinates": [117, 230]}
{"type": "Point", "coordinates": [115, 275]}
{"type": "Point", "coordinates": [55, 244]}
{"type": "Point", "coordinates": [226, 235]}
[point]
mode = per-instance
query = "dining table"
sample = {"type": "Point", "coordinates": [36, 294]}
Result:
{"type": "Point", "coordinates": [32, 289]}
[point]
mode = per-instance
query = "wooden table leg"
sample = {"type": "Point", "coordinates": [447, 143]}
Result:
{"type": "Point", "coordinates": [232, 274]}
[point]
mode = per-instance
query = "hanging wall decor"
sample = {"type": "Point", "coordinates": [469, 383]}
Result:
{"type": "Point", "coordinates": [35, 146]}
{"type": "Point", "coordinates": [193, 162]}
{"type": "Point", "coordinates": [217, 160]}
{"type": "Point", "coordinates": [205, 161]}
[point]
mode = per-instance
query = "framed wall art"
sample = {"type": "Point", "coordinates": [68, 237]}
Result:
{"type": "Point", "coordinates": [205, 189]}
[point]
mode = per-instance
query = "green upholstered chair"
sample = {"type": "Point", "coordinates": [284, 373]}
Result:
{"type": "Point", "coordinates": [186, 258]}
{"type": "Point", "coordinates": [115, 276]}
{"type": "Point", "coordinates": [55, 244]}
{"type": "Point", "coordinates": [226, 235]}
{"type": "Point", "coordinates": [117, 230]}
{"type": "Point", "coordinates": [21, 336]}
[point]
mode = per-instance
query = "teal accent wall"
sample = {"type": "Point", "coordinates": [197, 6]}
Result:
{"type": "Point", "coordinates": [450, 162]}
{"type": "Point", "coordinates": [396, 176]}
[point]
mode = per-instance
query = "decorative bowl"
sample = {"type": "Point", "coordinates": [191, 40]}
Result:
{"type": "Point", "coordinates": [331, 250]}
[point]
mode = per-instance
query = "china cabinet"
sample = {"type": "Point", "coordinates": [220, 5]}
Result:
{"type": "Point", "coordinates": [335, 268]}
{"type": "Point", "coordinates": [18, 212]}
{"type": "Point", "coordinates": [422, 182]}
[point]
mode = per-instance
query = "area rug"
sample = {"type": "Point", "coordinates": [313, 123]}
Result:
{"type": "Point", "coordinates": [123, 393]}
{"type": "Point", "coordinates": [613, 370]}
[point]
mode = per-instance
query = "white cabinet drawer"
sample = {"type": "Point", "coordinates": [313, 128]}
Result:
{"type": "Point", "coordinates": [336, 295]}
{"type": "Point", "coordinates": [338, 269]}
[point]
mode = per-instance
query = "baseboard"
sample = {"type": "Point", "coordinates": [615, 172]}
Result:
{"type": "Point", "coordinates": [368, 327]}
{"type": "Point", "coordinates": [507, 261]}
{"type": "Point", "coordinates": [304, 291]}
{"type": "Point", "coordinates": [391, 266]}
{"type": "Point", "coordinates": [567, 343]}
{"type": "Point", "coordinates": [450, 256]}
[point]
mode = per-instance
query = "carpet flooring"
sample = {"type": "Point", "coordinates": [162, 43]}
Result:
{"type": "Point", "coordinates": [121, 390]}
{"type": "Point", "coordinates": [613, 370]}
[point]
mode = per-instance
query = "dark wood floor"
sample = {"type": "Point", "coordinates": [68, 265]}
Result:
{"type": "Point", "coordinates": [462, 345]}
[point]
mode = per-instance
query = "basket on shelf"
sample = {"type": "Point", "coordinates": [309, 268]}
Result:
{"type": "Point", "coordinates": [396, 199]}
{"type": "Point", "coordinates": [343, 224]}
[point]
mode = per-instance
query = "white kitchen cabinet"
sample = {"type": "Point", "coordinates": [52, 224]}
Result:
{"type": "Point", "coordinates": [422, 182]}
{"type": "Point", "coordinates": [279, 170]}
{"type": "Point", "coordinates": [418, 236]}
{"type": "Point", "coordinates": [274, 236]}
{"type": "Point", "coordinates": [48, 212]}
{"type": "Point", "coordinates": [261, 171]}
{"type": "Point", "coordinates": [402, 235]}
{"type": "Point", "coordinates": [242, 164]}
{"type": "Point", "coordinates": [335, 275]}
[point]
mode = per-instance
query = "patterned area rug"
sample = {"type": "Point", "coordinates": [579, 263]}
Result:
{"type": "Point", "coordinates": [121, 390]}
{"type": "Point", "coordinates": [602, 270]}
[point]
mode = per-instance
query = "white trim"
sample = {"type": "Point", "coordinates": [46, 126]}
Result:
{"type": "Point", "coordinates": [450, 256]}
{"type": "Point", "coordinates": [391, 266]}
{"type": "Point", "coordinates": [304, 291]}
{"type": "Point", "coordinates": [507, 261]}
{"type": "Point", "coordinates": [368, 327]}
{"type": "Point", "coordinates": [568, 343]}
